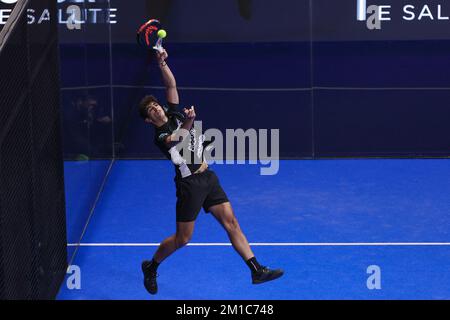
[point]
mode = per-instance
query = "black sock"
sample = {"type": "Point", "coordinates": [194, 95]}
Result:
{"type": "Point", "coordinates": [253, 265]}
{"type": "Point", "coordinates": [152, 266]}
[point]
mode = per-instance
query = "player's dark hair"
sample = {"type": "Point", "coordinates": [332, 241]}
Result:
{"type": "Point", "coordinates": [143, 105]}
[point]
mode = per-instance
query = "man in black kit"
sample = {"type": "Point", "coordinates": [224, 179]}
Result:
{"type": "Point", "coordinates": [196, 185]}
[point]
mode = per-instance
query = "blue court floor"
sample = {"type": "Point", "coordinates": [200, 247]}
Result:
{"type": "Point", "coordinates": [325, 222]}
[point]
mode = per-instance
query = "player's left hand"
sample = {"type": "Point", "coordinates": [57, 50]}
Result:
{"type": "Point", "coordinates": [190, 113]}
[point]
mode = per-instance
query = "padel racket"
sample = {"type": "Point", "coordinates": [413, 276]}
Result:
{"type": "Point", "coordinates": [147, 35]}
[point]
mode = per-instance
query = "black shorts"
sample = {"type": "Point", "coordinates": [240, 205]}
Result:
{"type": "Point", "coordinates": [197, 191]}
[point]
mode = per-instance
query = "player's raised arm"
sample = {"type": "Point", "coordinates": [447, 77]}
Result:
{"type": "Point", "coordinates": [168, 78]}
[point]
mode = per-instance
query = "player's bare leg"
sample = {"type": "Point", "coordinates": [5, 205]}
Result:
{"type": "Point", "coordinates": [225, 216]}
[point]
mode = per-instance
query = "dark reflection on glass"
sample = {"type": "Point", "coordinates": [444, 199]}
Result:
{"type": "Point", "coordinates": [86, 109]}
{"type": "Point", "coordinates": [87, 126]}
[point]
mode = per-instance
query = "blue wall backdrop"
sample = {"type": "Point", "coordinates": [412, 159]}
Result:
{"type": "Point", "coordinates": [381, 92]}
{"type": "Point", "coordinates": [333, 86]}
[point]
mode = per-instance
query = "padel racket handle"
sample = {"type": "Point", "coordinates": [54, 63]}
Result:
{"type": "Point", "coordinates": [158, 47]}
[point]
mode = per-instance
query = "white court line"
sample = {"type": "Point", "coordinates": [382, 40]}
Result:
{"type": "Point", "coordinates": [272, 244]}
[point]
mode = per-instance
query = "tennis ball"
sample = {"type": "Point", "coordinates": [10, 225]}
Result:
{"type": "Point", "coordinates": [162, 33]}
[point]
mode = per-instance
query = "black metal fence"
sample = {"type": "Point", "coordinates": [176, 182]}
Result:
{"type": "Point", "coordinates": [32, 207]}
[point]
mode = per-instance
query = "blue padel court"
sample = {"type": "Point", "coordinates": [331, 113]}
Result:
{"type": "Point", "coordinates": [327, 223]}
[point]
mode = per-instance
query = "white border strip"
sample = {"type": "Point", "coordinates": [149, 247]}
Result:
{"type": "Point", "coordinates": [272, 244]}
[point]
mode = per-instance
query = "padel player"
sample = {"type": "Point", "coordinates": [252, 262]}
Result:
{"type": "Point", "coordinates": [196, 185]}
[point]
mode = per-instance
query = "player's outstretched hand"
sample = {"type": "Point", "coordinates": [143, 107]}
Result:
{"type": "Point", "coordinates": [162, 56]}
{"type": "Point", "coordinates": [190, 113]}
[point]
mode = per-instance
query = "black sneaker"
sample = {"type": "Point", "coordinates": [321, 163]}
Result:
{"type": "Point", "coordinates": [265, 274]}
{"type": "Point", "coordinates": [149, 278]}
